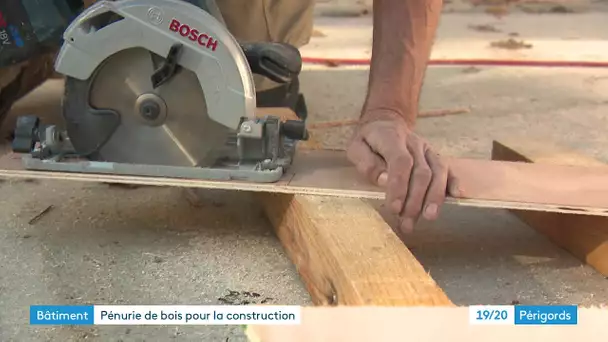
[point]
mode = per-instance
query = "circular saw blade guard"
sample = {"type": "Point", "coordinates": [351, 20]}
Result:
{"type": "Point", "coordinates": [208, 49]}
{"type": "Point", "coordinates": [161, 88]}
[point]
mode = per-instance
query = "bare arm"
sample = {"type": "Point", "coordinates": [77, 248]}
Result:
{"type": "Point", "coordinates": [404, 31]}
{"type": "Point", "coordinates": [385, 148]}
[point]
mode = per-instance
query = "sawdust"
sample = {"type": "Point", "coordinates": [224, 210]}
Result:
{"type": "Point", "coordinates": [471, 70]}
{"type": "Point", "coordinates": [331, 63]}
{"type": "Point", "coordinates": [500, 8]}
{"type": "Point", "coordinates": [540, 8]}
{"type": "Point", "coordinates": [194, 198]}
{"type": "Point", "coordinates": [36, 218]}
{"type": "Point", "coordinates": [318, 34]}
{"type": "Point", "coordinates": [484, 28]}
{"type": "Point", "coordinates": [497, 11]}
{"type": "Point", "coordinates": [491, 2]}
{"type": "Point", "coordinates": [313, 142]}
{"type": "Point", "coordinates": [496, 8]}
{"type": "Point", "coordinates": [243, 298]}
{"type": "Point", "coordinates": [561, 9]}
{"type": "Point", "coordinates": [26, 180]}
{"type": "Point", "coordinates": [344, 12]}
{"type": "Point", "coordinates": [510, 44]}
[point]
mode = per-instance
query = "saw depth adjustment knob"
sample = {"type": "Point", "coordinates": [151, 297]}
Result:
{"type": "Point", "coordinates": [294, 129]}
{"type": "Point", "coordinates": [26, 134]}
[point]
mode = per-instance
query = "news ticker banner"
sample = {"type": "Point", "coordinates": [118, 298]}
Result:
{"type": "Point", "coordinates": [164, 315]}
{"type": "Point", "coordinates": [268, 315]}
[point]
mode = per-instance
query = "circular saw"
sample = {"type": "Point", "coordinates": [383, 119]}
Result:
{"type": "Point", "coordinates": [161, 88]}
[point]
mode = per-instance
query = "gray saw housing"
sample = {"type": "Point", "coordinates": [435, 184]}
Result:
{"type": "Point", "coordinates": [224, 74]}
{"type": "Point", "coordinates": [192, 109]}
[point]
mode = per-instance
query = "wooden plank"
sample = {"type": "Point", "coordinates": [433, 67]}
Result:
{"type": "Point", "coordinates": [584, 236]}
{"type": "Point", "coordinates": [347, 255]}
{"type": "Point", "coordinates": [486, 183]}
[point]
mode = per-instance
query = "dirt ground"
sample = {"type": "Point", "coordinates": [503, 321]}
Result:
{"type": "Point", "coordinates": [106, 245]}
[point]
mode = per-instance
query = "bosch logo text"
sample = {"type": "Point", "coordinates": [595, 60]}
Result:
{"type": "Point", "coordinates": [193, 34]}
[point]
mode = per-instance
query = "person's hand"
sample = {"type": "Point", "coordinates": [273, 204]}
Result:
{"type": "Point", "coordinates": [391, 155]}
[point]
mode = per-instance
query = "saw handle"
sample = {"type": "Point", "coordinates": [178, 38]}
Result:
{"type": "Point", "coordinates": [279, 62]}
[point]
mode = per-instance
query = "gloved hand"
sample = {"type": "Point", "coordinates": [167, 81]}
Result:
{"type": "Point", "coordinates": [391, 155]}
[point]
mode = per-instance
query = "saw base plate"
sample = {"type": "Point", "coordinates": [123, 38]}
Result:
{"type": "Point", "coordinates": [227, 172]}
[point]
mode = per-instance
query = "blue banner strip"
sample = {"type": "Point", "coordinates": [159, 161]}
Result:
{"type": "Point", "coordinates": [61, 314]}
{"type": "Point", "coordinates": [546, 314]}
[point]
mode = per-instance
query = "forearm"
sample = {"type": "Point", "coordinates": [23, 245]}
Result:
{"type": "Point", "coordinates": [403, 36]}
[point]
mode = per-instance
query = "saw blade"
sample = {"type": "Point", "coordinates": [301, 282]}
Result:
{"type": "Point", "coordinates": [168, 125]}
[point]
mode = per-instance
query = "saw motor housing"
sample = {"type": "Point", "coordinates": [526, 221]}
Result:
{"type": "Point", "coordinates": [168, 126]}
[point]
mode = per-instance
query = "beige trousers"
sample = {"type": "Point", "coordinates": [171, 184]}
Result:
{"type": "Point", "coordinates": [283, 21]}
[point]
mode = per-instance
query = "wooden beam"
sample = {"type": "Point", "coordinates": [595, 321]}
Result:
{"type": "Point", "coordinates": [347, 255]}
{"type": "Point", "coordinates": [584, 236]}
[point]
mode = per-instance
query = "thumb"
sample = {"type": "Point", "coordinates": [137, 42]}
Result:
{"type": "Point", "coordinates": [454, 186]}
{"type": "Point", "coordinates": [383, 178]}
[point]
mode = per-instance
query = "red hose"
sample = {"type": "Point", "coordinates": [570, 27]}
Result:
{"type": "Point", "coordinates": [469, 62]}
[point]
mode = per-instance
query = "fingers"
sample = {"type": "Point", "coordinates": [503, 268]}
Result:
{"type": "Point", "coordinates": [420, 178]}
{"type": "Point", "coordinates": [436, 193]}
{"type": "Point", "coordinates": [400, 165]}
{"type": "Point", "coordinates": [415, 177]}
{"type": "Point", "coordinates": [367, 162]}
{"type": "Point", "coordinates": [392, 147]}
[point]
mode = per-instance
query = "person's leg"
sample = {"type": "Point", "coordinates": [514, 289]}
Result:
{"type": "Point", "coordinates": [282, 21]}
{"type": "Point", "coordinates": [18, 80]}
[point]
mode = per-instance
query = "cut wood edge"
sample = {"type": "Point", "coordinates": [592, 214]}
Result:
{"type": "Point", "coordinates": [317, 184]}
{"type": "Point", "coordinates": [346, 254]}
{"type": "Point", "coordinates": [586, 237]}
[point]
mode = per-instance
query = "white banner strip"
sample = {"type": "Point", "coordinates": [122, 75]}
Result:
{"type": "Point", "coordinates": [196, 315]}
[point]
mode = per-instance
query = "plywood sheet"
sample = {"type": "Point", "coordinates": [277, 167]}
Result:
{"type": "Point", "coordinates": [493, 184]}
{"type": "Point", "coordinates": [586, 237]}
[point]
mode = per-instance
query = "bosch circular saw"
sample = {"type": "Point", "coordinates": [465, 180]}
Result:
{"type": "Point", "coordinates": [161, 88]}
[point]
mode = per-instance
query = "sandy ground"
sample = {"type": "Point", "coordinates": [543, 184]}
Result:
{"type": "Point", "coordinates": [101, 244]}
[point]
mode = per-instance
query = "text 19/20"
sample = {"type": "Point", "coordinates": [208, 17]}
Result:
{"type": "Point", "coordinates": [493, 315]}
